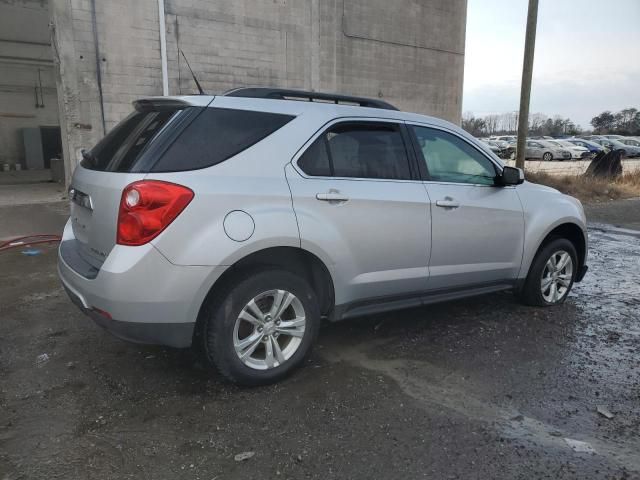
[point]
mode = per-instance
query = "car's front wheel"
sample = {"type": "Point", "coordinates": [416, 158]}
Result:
{"type": "Point", "coordinates": [260, 328]}
{"type": "Point", "coordinates": [547, 157]}
{"type": "Point", "coordinates": [551, 275]}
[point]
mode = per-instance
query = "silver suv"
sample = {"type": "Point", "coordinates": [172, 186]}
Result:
{"type": "Point", "coordinates": [235, 223]}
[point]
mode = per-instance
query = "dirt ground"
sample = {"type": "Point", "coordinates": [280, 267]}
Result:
{"type": "Point", "coordinates": [622, 214]}
{"type": "Point", "coordinates": [484, 388]}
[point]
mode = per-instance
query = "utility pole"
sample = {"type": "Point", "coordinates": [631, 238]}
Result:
{"type": "Point", "coordinates": [525, 89]}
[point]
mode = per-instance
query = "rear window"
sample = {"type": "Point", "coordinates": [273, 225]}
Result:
{"type": "Point", "coordinates": [119, 150]}
{"type": "Point", "coordinates": [205, 137]}
{"type": "Point", "coordinates": [216, 135]}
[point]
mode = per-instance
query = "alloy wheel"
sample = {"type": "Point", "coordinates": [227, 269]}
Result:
{"type": "Point", "coordinates": [269, 329]}
{"type": "Point", "coordinates": [556, 277]}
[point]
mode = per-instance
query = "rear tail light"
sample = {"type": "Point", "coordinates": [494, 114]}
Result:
{"type": "Point", "coordinates": [147, 208]}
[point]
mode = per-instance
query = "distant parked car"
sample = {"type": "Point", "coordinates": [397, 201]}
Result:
{"type": "Point", "coordinates": [500, 148]}
{"type": "Point", "coordinates": [501, 143]}
{"type": "Point", "coordinates": [493, 146]}
{"type": "Point", "coordinates": [633, 141]}
{"type": "Point", "coordinates": [577, 152]}
{"type": "Point", "coordinates": [612, 144]}
{"type": "Point", "coordinates": [593, 147]}
{"type": "Point", "coordinates": [613, 137]}
{"type": "Point", "coordinates": [540, 137]}
{"type": "Point", "coordinates": [505, 138]}
{"type": "Point", "coordinates": [546, 151]}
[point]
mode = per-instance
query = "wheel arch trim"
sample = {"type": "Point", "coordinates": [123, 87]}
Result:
{"type": "Point", "coordinates": [272, 256]}
{"type": "Point", "coordinates": [558, 226]}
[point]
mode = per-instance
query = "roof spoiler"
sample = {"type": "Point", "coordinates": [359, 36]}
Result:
{"type": "Point", "coordinates": [158, 104]}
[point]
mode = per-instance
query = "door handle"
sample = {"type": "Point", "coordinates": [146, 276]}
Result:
{"type": "Point", "coordinates": [331, 197]}
{"type": "Point", "coordinates": [448, 202]}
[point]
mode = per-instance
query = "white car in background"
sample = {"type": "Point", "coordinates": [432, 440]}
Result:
{"type": "Point", "coordinates": [502, 143]}
{"type": "Point", "coordinates": [577, 152]}
{"type": "Point", "coordinates": [504, 138]}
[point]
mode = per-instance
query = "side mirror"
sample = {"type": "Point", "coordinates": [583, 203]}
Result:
{"type": "Point", "coordinates": [511, 176]}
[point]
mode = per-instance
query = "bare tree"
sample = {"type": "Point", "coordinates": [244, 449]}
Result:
{"type": "Point", "coordinates": [536, 121]}
{"type": "Point", "coordinates": [491, 123]}
{"type": "Point", "coordinates": [475, 126]}
{"type": "Point", "coordinates": [624, 120]}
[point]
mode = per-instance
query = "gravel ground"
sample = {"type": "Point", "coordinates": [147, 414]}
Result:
{"type": "Point", "coordinates": [484, 388]}
{"type": "Point", "coordinates": [623, 214]}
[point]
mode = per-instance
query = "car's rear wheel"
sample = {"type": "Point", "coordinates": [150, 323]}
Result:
{"type": "Point", "coordinates": [547, 156]}
{"type": "Point", "coordinates": [551, 275]}
{"type": "Point", "coordinates": [260, 328]}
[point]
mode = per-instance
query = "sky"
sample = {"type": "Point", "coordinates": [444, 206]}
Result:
{"type": "Point", "coordinates": [587, 57]}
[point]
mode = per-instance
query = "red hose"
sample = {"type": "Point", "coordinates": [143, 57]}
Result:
{"type": "Point", "coordinates": [24, 241]}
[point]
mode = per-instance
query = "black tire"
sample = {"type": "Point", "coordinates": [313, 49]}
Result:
{"type": "Point", "coordinates": [547, 156]}
{"type": "Point", "coordinates": [217, 321]}
{"type": "Point", "coordinates": [531, 292]}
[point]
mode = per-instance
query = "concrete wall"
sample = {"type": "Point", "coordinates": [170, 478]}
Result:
{"type": "Point", "coordinates": [122, 45]}
{"type": "Point", "coordinates": [408, 52]}
{"type": "Point", "coordinates": [24, 51]}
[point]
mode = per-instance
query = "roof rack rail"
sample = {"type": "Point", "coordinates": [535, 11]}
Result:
{"type": "Point", "coordinates": [285, 94]}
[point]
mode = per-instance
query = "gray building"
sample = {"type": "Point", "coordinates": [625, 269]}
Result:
{"type": "Point", "coordinates": [28, 99]}
{"type": "Point", "coordinates": [108, 53]}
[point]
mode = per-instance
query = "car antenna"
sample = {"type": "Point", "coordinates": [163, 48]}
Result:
{"type": "Point", "coordinates": [192, 74]}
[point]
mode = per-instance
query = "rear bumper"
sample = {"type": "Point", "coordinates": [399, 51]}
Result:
{"type": "Point", "coordinates": [138, 295]}
{"type": "Point", "coordinates": [169, 334]}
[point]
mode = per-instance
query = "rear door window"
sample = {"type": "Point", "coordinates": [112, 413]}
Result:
{"type": "Point", "coordinates": [358, 150]}
{"type": "Point", "coordinates": [315, 161]}
{"type": "Point", "coordinates": [216, 135]}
